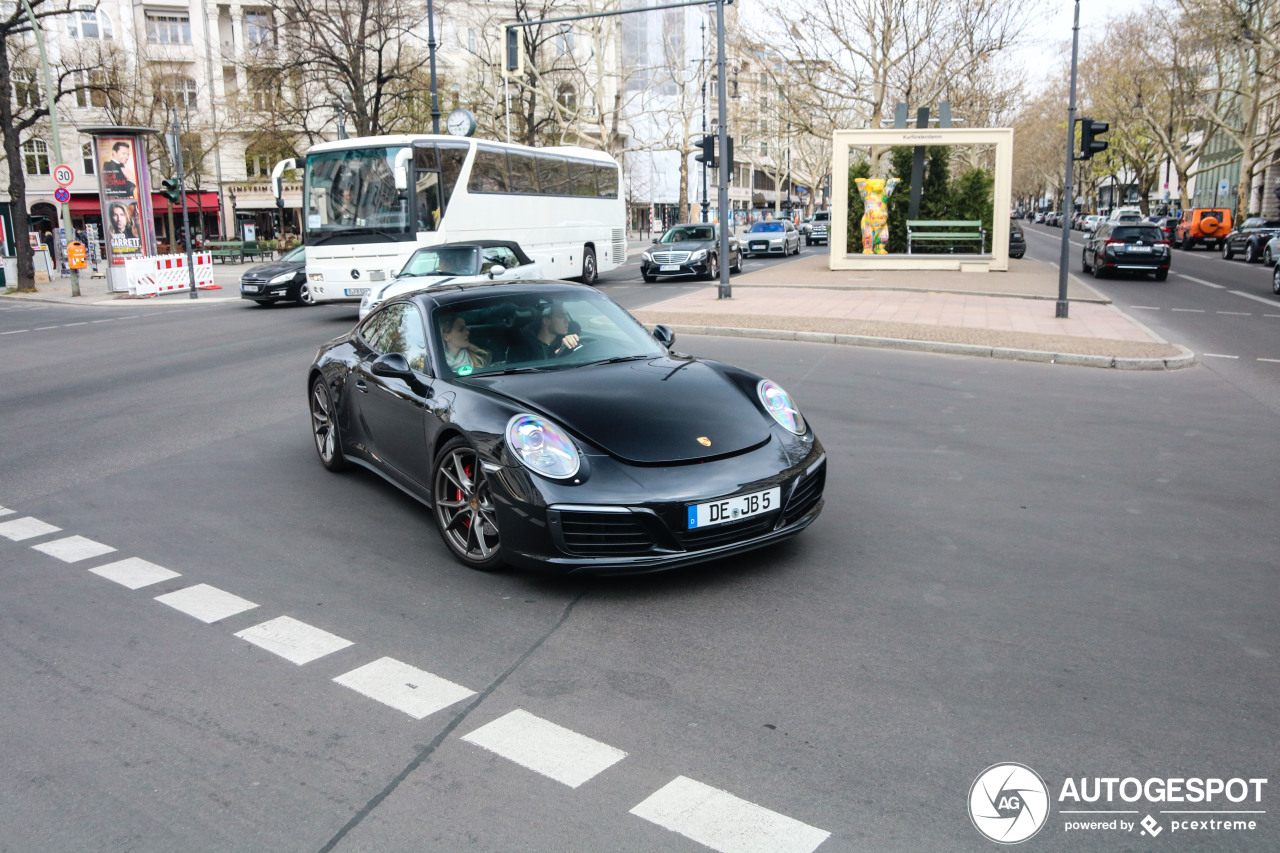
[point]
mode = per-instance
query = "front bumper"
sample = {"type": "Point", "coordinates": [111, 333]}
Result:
{"type": "Point", "coordinates": [653, 268]}
{"type": "Point", "coordinates": [636, 520]}
{"type": "Point", "coordinates": [259, 291]}
{"type": "Point", "coordinates": [762, 247]}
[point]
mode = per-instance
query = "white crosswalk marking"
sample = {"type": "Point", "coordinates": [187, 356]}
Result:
{"type": "Point", "coordinates": [416, 692]}
{"type": "Point", "coordinates": [26, 528]}
{"type": "Point", "coordinates": [5, 511]}
{"type": "Point", "coordinates": [134, 573]}
{"type": "Point", "coordinates": [206, 603]}
{"type": "Point", "coordinates": [73, 549]}
{"type": "Point", "coordinates": [546, 748]}
{"type": "Point", "coordinates": [724, 822]}
{"type": "Point", "coordinates": [292, 640]}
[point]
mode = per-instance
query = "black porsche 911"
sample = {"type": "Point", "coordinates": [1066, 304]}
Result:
{"type": "Point", "coordinates": [545, 428]}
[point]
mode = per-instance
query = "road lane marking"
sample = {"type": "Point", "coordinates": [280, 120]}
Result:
{"type": "Point", "coordinates": [108, 320]}
{"type": "Point", "coordinates": [1270, 302]}
{"type": "Point", "coordinates": [1200, 281]}
{"type": "Point", "coordinates": [5, 511]}
{"type": "Point", "coordinates": [15, 332]}
{"type": "Point", "coordinates": [44, 328]}
{"type": "Point", "coordinates": [1191, 310]}
{"type": "Point", "coordinates": [1271, 360]}
{"type": "Point", "coordinates": [1235, 313]}
{"type": "Point", "coordinates": [544, 747]}
{"type": "Point", "coordinates": [69, 325]}
{"type": "Point", "coordinates": [724, 822]}
{"type": "Point", "coordinates": [73, 549]}
{"type": "Point", "coordinates": [134, 573]}
{"type": "Point", "coordinates": [1218, 355]}
{"type": "Point", "coordinates": [26, 528]}
{"type": "Point", "coordinates": [406, 688]}
{"type": "Point", "coordinates": [292, 640]}
{"type": "Point", "coordinates": [206, 603]}
{"type": "Point", "coordinates": [1146, 307]}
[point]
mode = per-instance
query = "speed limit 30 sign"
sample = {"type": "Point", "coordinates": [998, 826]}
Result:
{"type": "Point", "coordinates": [63, 175]}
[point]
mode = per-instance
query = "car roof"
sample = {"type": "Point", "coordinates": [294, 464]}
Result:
{"type": "Point", "coordinates": [450, 293]}
{"type": "Point", "coordinates": [482, 244]}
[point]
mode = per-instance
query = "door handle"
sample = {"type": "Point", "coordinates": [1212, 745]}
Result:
{"type": "Point", "coordinates": [361, 387]}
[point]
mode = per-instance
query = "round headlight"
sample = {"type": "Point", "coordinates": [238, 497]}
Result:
{"type": "Point", "coordinates": [779, 404]}
{"type": "Point", "coordinates": [542, 447]}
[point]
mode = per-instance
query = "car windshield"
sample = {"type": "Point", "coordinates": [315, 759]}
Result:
{"type": "Point", "coordinates": [459, 260]}
{"type": "Point", "coordinates": [821, 217]}
{"type": "Point", "coordinates": [298, 255]}
{"type": "Point", "coordinates": [1135, 233]}
{"type": "Point", "coordinates": [687, 233]}
{"type": "Point", "coordinates": [532, 332]}
{"type": "Point", "coordinates": [761, 227]}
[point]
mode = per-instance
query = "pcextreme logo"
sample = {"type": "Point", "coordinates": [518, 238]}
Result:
{"type": "Point", "coordinates": [1009, 803]}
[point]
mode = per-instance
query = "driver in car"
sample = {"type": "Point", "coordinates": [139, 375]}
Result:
{"type": "Point", "coordinates": [552, 334]}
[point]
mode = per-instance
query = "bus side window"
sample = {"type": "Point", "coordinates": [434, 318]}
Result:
{"type": "Point", "coordinates": [524, 176]}
{"type": "Point", "coordinates": [553, 174]}
{"type": "Point", "coordinates": [607, 181]}
{"type": "Point", "coordinates": [582, 178]}
{"type": "Point", "coordinates": [489, 172]}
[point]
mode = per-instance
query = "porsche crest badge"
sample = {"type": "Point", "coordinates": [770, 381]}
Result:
{"type": "Point", "coordinates": [704, 441]}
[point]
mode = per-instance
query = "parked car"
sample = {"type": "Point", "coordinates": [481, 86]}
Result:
{"type": "Point", "coordinates": [818, 230]}
{"type": "Point", "coordinates": [1275, 280]}
{"type": "Point", "coordinates": [773, 236]}
{"type": "Point", "coordinates": [1126, 247]}
{"type": "Point", "coordinates": [1206, 225]}
{"type": "Point", "coordinates": [1017, 240]}
{"type": "Point", "coordinates": [613, 455]}
{"type": "Point", "coordinates": [1271, 251]}
{"type": "Point", "coordinates": [455, 263]}
{"type": "Point", "coordinates": [1091, 222]}
{"type": "Point", "coordinates": [689, 250]}
{"type": "Point", "coordinates": [285, 279]}
{"type": "Point", "coordinates": [1168, 225]}
{"type": "Point", "coordinates": [1250, 238]}
{"type": "Point", "coordinates": [1039, 220]}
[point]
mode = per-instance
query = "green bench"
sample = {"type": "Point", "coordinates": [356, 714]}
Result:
{"type": "Point", "coordinates": [960, 232]}
{"type": "Point", "coordinates": [254, 249]}
{"type": "Point", "coordinates": [226, 250]}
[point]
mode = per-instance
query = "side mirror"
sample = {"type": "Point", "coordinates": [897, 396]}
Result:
{"type": "Point", "coordinates": [655, 239]}
{"type": "Point", "coordinates": [392, 364]}
{"type": "Point", "coordinates": [663, 335]}
{"type": "Point", "coordinates": [496, 270]}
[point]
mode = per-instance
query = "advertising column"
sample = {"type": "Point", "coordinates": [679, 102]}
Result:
{"type": "Point", "coordinates": [126, 202]}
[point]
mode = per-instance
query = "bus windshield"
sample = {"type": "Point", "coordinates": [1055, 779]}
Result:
{"type": "Point", "coordinates": [354, 191]}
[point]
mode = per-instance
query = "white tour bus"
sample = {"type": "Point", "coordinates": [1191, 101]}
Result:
{"type": "Point", "coordinates": [562, 205]}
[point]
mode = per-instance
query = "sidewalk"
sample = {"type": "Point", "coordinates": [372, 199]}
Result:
{"type": "Point", "coordinates": [996, 315]}
{"type": "Point", "coordinates": [93, 291]}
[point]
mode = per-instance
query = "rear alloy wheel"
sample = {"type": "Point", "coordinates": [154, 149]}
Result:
{"type": "Point", "coordinates": [324, 426]}
{"type": "Point", "coordinates": [590, 275]}
{"type": "Point", "coordinates": [1097, 269]}
{"type": "Point", "coordinates": [464, 507]}
{"type": "Point", "coordinates": [1084, 262]}
{"type": "Point", "coordinates": [1250, 253]}
{"type": "Point", "coordinates": [1162, 275]}
{"type": "Point", "coordinates": [1275, 280]}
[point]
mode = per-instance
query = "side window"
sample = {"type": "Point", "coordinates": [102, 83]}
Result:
{"type": "Point", "coordinates": [553, 175]}
{"type": "Point", "coordinates": [499, 255]}
{"type": "Point", "coordinates": [489, 172]}
{"type": "Point", "coordinates": [398, 328]}
{"type": "Point", "coordinates": [607, 181]}
{"type": "Point", "coordinates": [524, 175]}
{"type": "Point", "coordinates": [582, 178]}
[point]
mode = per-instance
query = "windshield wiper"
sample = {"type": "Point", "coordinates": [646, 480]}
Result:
{"type": "Point", "coordinates": [362, 229]}
{"type": "Point", "coordinates": [618, 358]}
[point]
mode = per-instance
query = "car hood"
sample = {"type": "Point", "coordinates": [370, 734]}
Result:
{"type": "Point", "coordinates": [647, 412]}
{"type": "Point", "coordinates": [268, 271]}
{"type": "Point", "coordinates": [687, 245]}
{"type": "Point", "coordinates": [421, 282]}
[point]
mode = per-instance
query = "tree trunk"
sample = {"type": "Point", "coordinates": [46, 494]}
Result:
{"type": "Point", "coordinates": [17, 181]}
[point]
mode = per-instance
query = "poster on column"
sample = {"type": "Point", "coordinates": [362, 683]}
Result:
{"type": "Point", "coordinates": [120, 191]}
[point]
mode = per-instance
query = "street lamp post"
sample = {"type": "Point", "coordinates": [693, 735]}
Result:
{"type": "Point", "coordinates": [1068, 196]}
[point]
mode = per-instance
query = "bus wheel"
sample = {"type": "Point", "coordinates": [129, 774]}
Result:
{"type": "Point", "coordinates": [590, 275]}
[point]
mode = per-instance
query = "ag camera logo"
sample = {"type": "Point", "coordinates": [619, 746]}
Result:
{"type": "Point", "coordinates": [1008, 803]}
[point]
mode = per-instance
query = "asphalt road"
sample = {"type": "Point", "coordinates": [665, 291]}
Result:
{"type": "Point", "coordinates": [1223, 310]}
{"type": "Point", "coordinates": [1069, 568]}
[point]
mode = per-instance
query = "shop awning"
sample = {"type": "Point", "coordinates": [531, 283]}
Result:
{"type": "Point", "coordinates": [195, 201]}
{"type": "Point", "coordinates": [85, 204]}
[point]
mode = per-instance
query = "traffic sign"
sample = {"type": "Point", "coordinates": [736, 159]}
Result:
{"type": "Point", "coordinates": [63, 175]}
{"type": "Point", "coordinates": [1223, 187]}
{"type": "Point", "coordinates": [61, 196]}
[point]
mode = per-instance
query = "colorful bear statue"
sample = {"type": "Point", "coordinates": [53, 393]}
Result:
{"type": "Point", "coordinates": [875, 219]}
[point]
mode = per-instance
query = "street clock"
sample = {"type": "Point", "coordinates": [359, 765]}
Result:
{"type": "Point", "coordinates": [461, 123]}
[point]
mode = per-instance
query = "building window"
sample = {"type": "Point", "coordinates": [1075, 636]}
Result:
{"type": "Point", "coordinates": [173, 28]}
{"type": "Point", "coordinates": [26, 91]}
{"type": "Point", "coordinates": [764, 149]}
{"type": "Point", "coordinates": [86, 157]}
{"type": "Point", "coordinates": [90, 91]}
{"type": "Point", "coordinates": [178, 91]}
{"type": "Point", "coordinates": [89, 24]}
{"type": "Point", "coordinates": [764, 126]}
{"type": "Point", "coordinates": [258, 29]}
{"type": "Point", "coordinates": [264, 90]}
{"type": "Point", "coordinates": [471, 39]}
{"type": "Point", "coordinates": [564, 41]}
{"type": "Point", "coordinates": [567, 97]}
{"type": "Point", "coordinates": [35, 156]}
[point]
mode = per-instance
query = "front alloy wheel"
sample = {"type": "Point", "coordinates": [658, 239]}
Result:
{"type": "Point", "coordinates": [464, 506]}
{"type": "Point", "coordinates": [713, 269]}
{"type": "Point", "coordinates": [1275, 280]}
{"type": "Point", "coordinates": [324, 426]}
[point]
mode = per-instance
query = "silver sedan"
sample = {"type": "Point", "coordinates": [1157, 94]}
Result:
{"type": "Point", "coordinates": [772, 237]}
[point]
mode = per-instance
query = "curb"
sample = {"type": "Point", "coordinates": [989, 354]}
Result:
{"type": "Point", "coordinates": [1186, 358]}
{"type": "Point", "coordinates": [83, 302]}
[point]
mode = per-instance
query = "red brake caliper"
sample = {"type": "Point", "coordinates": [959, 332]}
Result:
{"type": "Point", "coordinates": [466, 470]}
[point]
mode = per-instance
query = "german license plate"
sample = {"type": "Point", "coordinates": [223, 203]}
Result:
{"type": "Point", "coordinates": [668, 268]}
{"type": "Point", "coordinates": [759, 247]}
{"type": "Point", "coordinates": [250, 288]}
{"type": "Point", "coordinates": [1140, 250]}
{"type": "Point", "coordinates": [356, 291]}
{"type": "Point", "coordinates": [735, 508]}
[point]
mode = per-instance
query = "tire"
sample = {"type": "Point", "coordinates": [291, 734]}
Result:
{"type": "Point", "coordinates": [1267, 259]}
{"type": "Point", "coordinates": [1186, 242]}
{"type": "Point", "coordinates": [1162, 275]}
{"type": "Point", "coordinates": [324, 427]}
{"type": "Point", "coordinates": [648, 279]}
{"type": "Point", "coordinates": [713, 268]}
{"type": "Point", "coordinates": [590, 274]}
{"type": "Point", "coordinates": [463, 506]}
{"type": "Point", "coordinates": [1227, 252]}
{"type": "Point", "coordinates": [1097, 270]}
{"type": "Point", "coordinates": [305, 297]}
{"type": "Point", "coordinates": [1250, 253]}
{"type": "Point", "coordinates": [1275, 280]}
{"type": "Point", "coordinates": [1084, 262]}
{"type": "Point", "coordinates": [737, 268]}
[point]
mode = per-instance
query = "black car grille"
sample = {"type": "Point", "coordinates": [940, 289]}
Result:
{"type": "Point", "coordinates": [604, 534]}
{"type": "Point", "coordinates": [805, 495]}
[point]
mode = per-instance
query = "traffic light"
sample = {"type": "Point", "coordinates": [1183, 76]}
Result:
{"type": "Point", "coordinates": [707, 152]}
{"type": "Point", "coordinates": [1090, 144]}
{"type": "Point", "coordinates": [514, 53]}
{"type": "Point", "coordinates": [171, 189]}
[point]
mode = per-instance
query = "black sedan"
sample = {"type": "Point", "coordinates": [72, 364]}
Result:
{"type": "Point", "coordinates": [689, 250]}
{"type": "Point", "coordinates": [544, 427]}
{"type": "Point", "coordinates": [267, 284]}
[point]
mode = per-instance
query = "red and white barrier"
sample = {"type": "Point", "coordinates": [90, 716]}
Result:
{"type": "Point", "coordinates": [168, 274]}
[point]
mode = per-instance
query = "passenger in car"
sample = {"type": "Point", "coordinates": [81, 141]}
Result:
{"type": "Point", "coordinates": [460, 354]}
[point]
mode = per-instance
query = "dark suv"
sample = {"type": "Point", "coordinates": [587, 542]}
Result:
{"type": "Point", "coordinates": [818, 228]}
{"type": "Point", "coordinates": [1127, 247]}
{"type": "Point", "coordinates": [1250, 238]}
